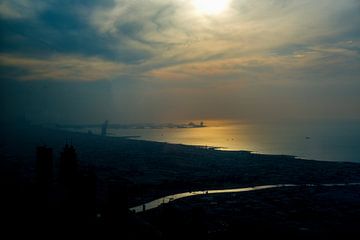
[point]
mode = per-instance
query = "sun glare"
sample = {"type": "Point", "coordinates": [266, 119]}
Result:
{"type": "Point", "coordinates": [211, 6]}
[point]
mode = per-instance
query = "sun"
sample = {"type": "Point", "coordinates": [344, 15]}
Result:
{"type": "Point", "coordinates": [211, 6]}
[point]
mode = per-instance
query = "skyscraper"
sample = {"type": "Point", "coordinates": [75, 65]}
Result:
{"type": "Point", "coordinates": [68, 165]}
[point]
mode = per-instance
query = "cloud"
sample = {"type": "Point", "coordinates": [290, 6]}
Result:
{"type": "Point", "coordinates": [62, 67]}
{"type": "Point", "coordinates": [185, 45]}
{"type": "Point", "coordinates": [21, 9]}
{"type": "Point", "coordinates": [169, 40]}
{"type": "Point", "coordinates": [313, 63]}
{"type": "Point", "coordinates": [153, 35]}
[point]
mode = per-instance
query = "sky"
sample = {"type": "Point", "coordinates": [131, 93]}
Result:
{"type": "Point", "coordinates": [84, 61]}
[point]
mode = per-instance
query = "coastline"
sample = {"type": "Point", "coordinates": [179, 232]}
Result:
{"type": "Point", "coordinates": [208, 147]}
{"type": "Point", "coordinates": [155, 169]}
{"type": "Point", "coordinates": [326, 142]}
{"type": "Point", "coordinates": [143, 171]}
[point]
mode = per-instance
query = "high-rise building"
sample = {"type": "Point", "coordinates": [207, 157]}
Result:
{"type": "Point", "coordinates": [68, 165]}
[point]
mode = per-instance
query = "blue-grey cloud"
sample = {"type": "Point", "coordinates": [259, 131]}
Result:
{"type": "Point", "coordinates": [63, 28]}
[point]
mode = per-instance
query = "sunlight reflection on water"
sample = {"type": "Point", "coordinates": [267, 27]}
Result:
{"type": "Point", "coordinates": [333, 142]}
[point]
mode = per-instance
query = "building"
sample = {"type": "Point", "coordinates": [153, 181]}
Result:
{"type": "Point", "coordinates": [68, 165]}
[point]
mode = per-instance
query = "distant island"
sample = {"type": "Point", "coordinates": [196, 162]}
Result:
{"type": "Point", "coordinates": [134, 126]}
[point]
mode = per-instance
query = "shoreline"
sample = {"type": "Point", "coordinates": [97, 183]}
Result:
{"type": "Point", "coordinates": [298, 154]}
{"type": "Point", "coordinates": [154, 169]}
{"type": "Point", "coordinates": [141, 171]}
{"type": "Point", "coordinates": [264, 165]}
{"type": "Point", "coordinates": [221, 149]}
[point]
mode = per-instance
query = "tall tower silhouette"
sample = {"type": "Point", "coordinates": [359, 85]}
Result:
{"type": "Point", "coordinates": [68, 165]}
{"type": "Point", "coordinates": [44, 165]}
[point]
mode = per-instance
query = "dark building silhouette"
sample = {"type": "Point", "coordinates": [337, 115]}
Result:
{"type": "Point", "coordinates": [68, 165]}
{"type": "Point", "coordinates": [86, 196]}
{"type": "Point", "coordinates": [104, 127]}
{"type": "Point", "coordinates": [117, 210]}
{"type": "Point", "coordinates": [44, 165]}
{"type": "Point", "coordinates": [77, 191]}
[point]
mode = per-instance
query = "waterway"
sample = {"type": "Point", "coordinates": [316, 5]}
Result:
{"type": "Point", "coordinates": [164, 200]}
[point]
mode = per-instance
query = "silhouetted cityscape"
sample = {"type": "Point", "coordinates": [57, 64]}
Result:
{"type": "Point", "coordinates": [177, 120]}
{"type": "Point", "coordinates": [90, 187]}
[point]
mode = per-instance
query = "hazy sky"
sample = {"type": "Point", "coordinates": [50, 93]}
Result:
{"type": "Point", "coordinates": [170, 60]}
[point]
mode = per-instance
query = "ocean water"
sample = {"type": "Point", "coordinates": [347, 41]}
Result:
{"type": "Point", "coordinates": [330, 141]}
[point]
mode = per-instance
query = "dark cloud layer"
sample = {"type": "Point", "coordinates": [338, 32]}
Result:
{"type": "Point", "coordinates": [62, 28]}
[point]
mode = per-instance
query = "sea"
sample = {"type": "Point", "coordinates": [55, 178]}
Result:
{"type": "Point", "coordinates": [315, 141]}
